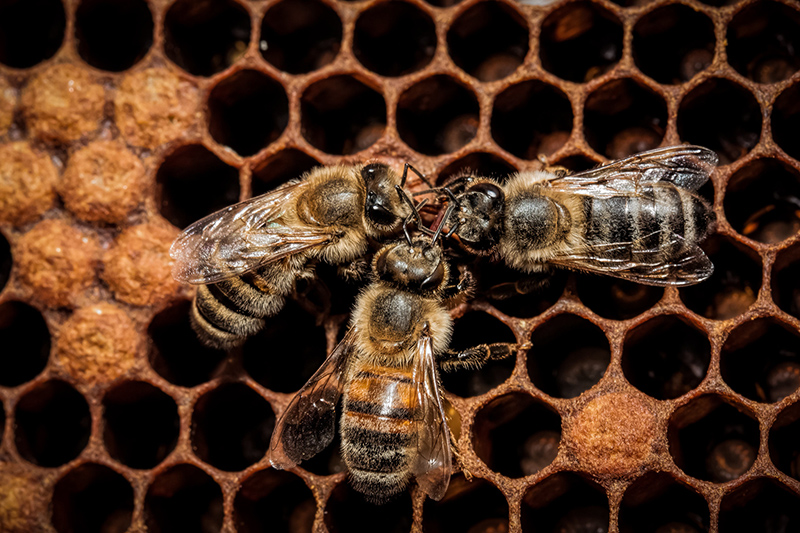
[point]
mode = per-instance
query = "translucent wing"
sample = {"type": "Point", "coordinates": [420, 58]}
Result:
{"type": "Point", "coordinates": [432, 466]}
{"type": "Point", "coordinates": [687, 166]}
{"type": "Point", "coordinates": [242, 237]}
{"type": "Point", "coordinates": [308, 424]}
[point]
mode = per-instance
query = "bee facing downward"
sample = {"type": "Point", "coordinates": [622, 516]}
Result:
{"type": "Point", "coordinates": [638, 218]}
{"type": "Point", "coordinates": [246, 257]}
{"type": "Point", "coordinates": [393, 426]}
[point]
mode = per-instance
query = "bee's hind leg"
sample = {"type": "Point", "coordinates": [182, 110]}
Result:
{"type": "Point", "coordinates": [477, 356]}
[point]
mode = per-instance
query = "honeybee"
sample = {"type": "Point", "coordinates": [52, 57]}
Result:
{"type": "Point", "coordinates": [246, 257]}
{"type": "Point", "coordinates": [638, 218]}
{"type": "Point", "coordinates": [393, 425]}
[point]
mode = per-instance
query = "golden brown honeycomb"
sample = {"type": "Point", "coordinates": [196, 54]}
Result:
{"type": "Point", "coordinates": [637, 408]}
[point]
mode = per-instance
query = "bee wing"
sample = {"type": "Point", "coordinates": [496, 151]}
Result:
{"type": "Point", "coordinates": [687, 166]}
{"type": "Point", "coordinates": [308, 424]}
{"type": "Point", "coordinates": [240, 238]}
{"type": "Point", "coordinates": [432, 465]}
{"type": "Point", "coordinates": [687, 266]}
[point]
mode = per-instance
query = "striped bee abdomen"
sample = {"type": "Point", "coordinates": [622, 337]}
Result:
{"type": "Point", "coordinates": [378, 429]}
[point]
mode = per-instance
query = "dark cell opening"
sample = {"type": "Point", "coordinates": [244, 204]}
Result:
{"type": "Point", "coordinates": [760, 505]}
{"type": "Point", "coordinates": [470, 330]}
{"type": "Point", "coordinates": [183, 499]}
{"type": "Point", "coordinates": [786, 281]}
{"type": "Point", "coordinates": [26, 343]}
{"type": "Point", "coordinates": [761, 360]}
{"type": "Point", "coordinates": [276, 359]}
{"type": "Point", "coordinates": [565, 502]}
{"type": "Point", "coordinates": [30, 31]}
{"type": "Point", "coordinates": [673, 43]}
{"type": "Point", "coordinates": [437, 115]}
{"type": "Point", "coordinates": [192, 182]}
{"type": "Point", "coordinates": [762, 201]}
{"type": "Point", "coordinates": [285, 165]}
{"type": "Point", "coordinates": [575, 163]}
{"type": "Point", "coordinates": [658, 502]}
{"type": "Point", "coordinates": [341, 115]}
{"type": "Point", "coordinates": [516, 435]}
{"type": "Point", "coordinates": [348, 512]}
{"type": "Point", "coordinates": [394, 38]}
{"type": "Point", "coordinates": [666, 357]}
{"type": "Point", "coordinates": [475, 506]}
{"type": "Point", "coordinates": [299, 36]}
{"type": "Point", "coordinates": [733, 286]}
{"type": "Point", "coordinates": [5, 261]}
{"type": "Point", "coordinates": [247, 111]}
{"type": "Point", "coordinates": [786, 120]}
{"type": "Point", "coordinates": [705, 118]}
{"type": "Point", "coordinates": [206, 37]}
{"type": "Point", "coordinates": [615, 298]}
{"type": "Point", "coordinates": [531, 118]}
{"type": "Point", "coordinates": [580, 41]}
{"type": "Point", "coordinates": [176, 353]}
{"type": "Point", "coordinates": [113, 34]}
{"type": "Point", "coordinates": [52, 424]}
{"type": "Point", "coordinates": [488, 41]}
{"type": "Point", "coordinates": [141, 424]}
{"type": "Point", "coordinates": [570, 356]}
{"type": "Point", "coordinates": [764, 42]}
{"type": "Point", "coordinates": [479, 164]}
{"type": "Point", "coordinates": [275, 501]}
{"type": "Point", "coordinates": [712, 440]}
{"type": "Point", "coordinates": [518, 294]}
{"type": "Point", "coordinates": [92, 498]}
{"type": "Point", "coordinates": [783, 439]}
{"type": "Point", "coordinates": [622, 118]}
{"type": "Point", "coordinates": [231, 427]}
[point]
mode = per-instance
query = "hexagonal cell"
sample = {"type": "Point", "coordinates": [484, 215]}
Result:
{"type": "Point", "coordinates": [30, 31]}
{"type": "Point", "coordinates": [26, 343]}
{"type": "Point", "coordinates": [341, 115]}
{"type": "Point", "coordinates": [247, 111]}
{"type": "Point", "coordinates": [543, 109]}
{"type": "Point", "coordinates": [518, 294]}
{"type": "Point", "coordinates": [659, 502]}
{"type": "Point", "coordinates": [734, 285]}
{"type": "Point", "coordinates": [476, 506]}
{"type": "Point", "coordinates": [786, 281]}
{"type": "Point", "coordinates": [473, 329]}
{"type": "Point", "coordinates": [580, 41]}
{"type": "Point", "coordinates": [565, 502]}
{"type": "Point", "coordinates": [488, 41]}
{"type": "Point", "coordinates": [762, 201]}
{"type": "Point", "coordinates": [761, 360]}
{"type": "Point", "coordinates": [52, 424]}
{"type": "Point", "coordinates": [192, 182]}
{"type": "Point", "coordinates": [92, 498]}
{"type": "Point", "coordinates": [615, 298]}
{"type": "Point", "coordinates": [206, 38]}
{"type": "Point", "coordinates": [705, 118]}
{"type": "Point", "coordinates": [299, 36]}
{"type": "Point", "coordinates": [479, 163]}
{"type": "Point", "coordinates": [786, 120]}
{"type": "Point", "coordinates": [760, 505]}
{"type": "Point", "coordinates": [516, 435]}
{"type": "Point", "coordinates": [176, 354]}
{"type": "Point", "coordinates": [273, 500]}
{"type": "Point", "coordinates": [394, 38]}
{"type": "Point", "coordinates": [183, 498]}
{"type": "Point", "coordinates": [231, 427]}
{"type": "Point", "coordinates": [666, 357]}
{"type": "Point", "coordinates": [713, 439]}
{"type": "Point", "coordinates": [141, 424]}
{"type": "Point", "coordinates": [783, 439]}
{"type": "Point", "coordinates": [673, 43]}
{"type": "Point", "coordinates": [763, 41]}
{"type": "Point", "coordinates": [622, 118]}
{"type": "Point", "coordinates": [275, 358]}
{"type": "Point", "coordinates": [113, 34]}
{"type": "Point", "coordinates": [285, 165]}
{"type": "Point", "coordinates": [571, 355]}
{"type": "Point", "coordinates": [347, 511]}
{"type": "Point", "coordinates": [437, 115]}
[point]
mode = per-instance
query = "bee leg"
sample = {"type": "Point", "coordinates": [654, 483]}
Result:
{"type": "Point", "coordinates": [477, 356]}
{"type": "Point", "coordinates": [558, 170]}
{"type": "Point", "coordinates": [526, 285]}
{"type": "Point", "coordinates": [354, 271]}
{"type": "Point", "coordinates": [464, 288]}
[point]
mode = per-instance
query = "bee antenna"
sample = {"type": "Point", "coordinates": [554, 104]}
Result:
{"type": "Point", "coordinates": [438, 232]}
{"type": "Point", "coordinates": [408, 167]}
{"type": "Point", "coordinates": [414, 211]}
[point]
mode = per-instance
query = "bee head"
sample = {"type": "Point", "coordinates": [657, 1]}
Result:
{"type": "Point", "coordinates": [479, 215]}
{"type": "Point", "coordinates": [383, 211]}
{"type": "Point", "coordinates": [416, 265]}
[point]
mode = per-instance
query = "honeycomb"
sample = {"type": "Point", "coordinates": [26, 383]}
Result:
{"type": "Point", "coordinates": [637, 408]}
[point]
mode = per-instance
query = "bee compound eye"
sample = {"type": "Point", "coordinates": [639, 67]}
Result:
{"type": "Point", "coordinates": [369, 172]}
{"type": "Point", "coordinates": [490, 190]}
